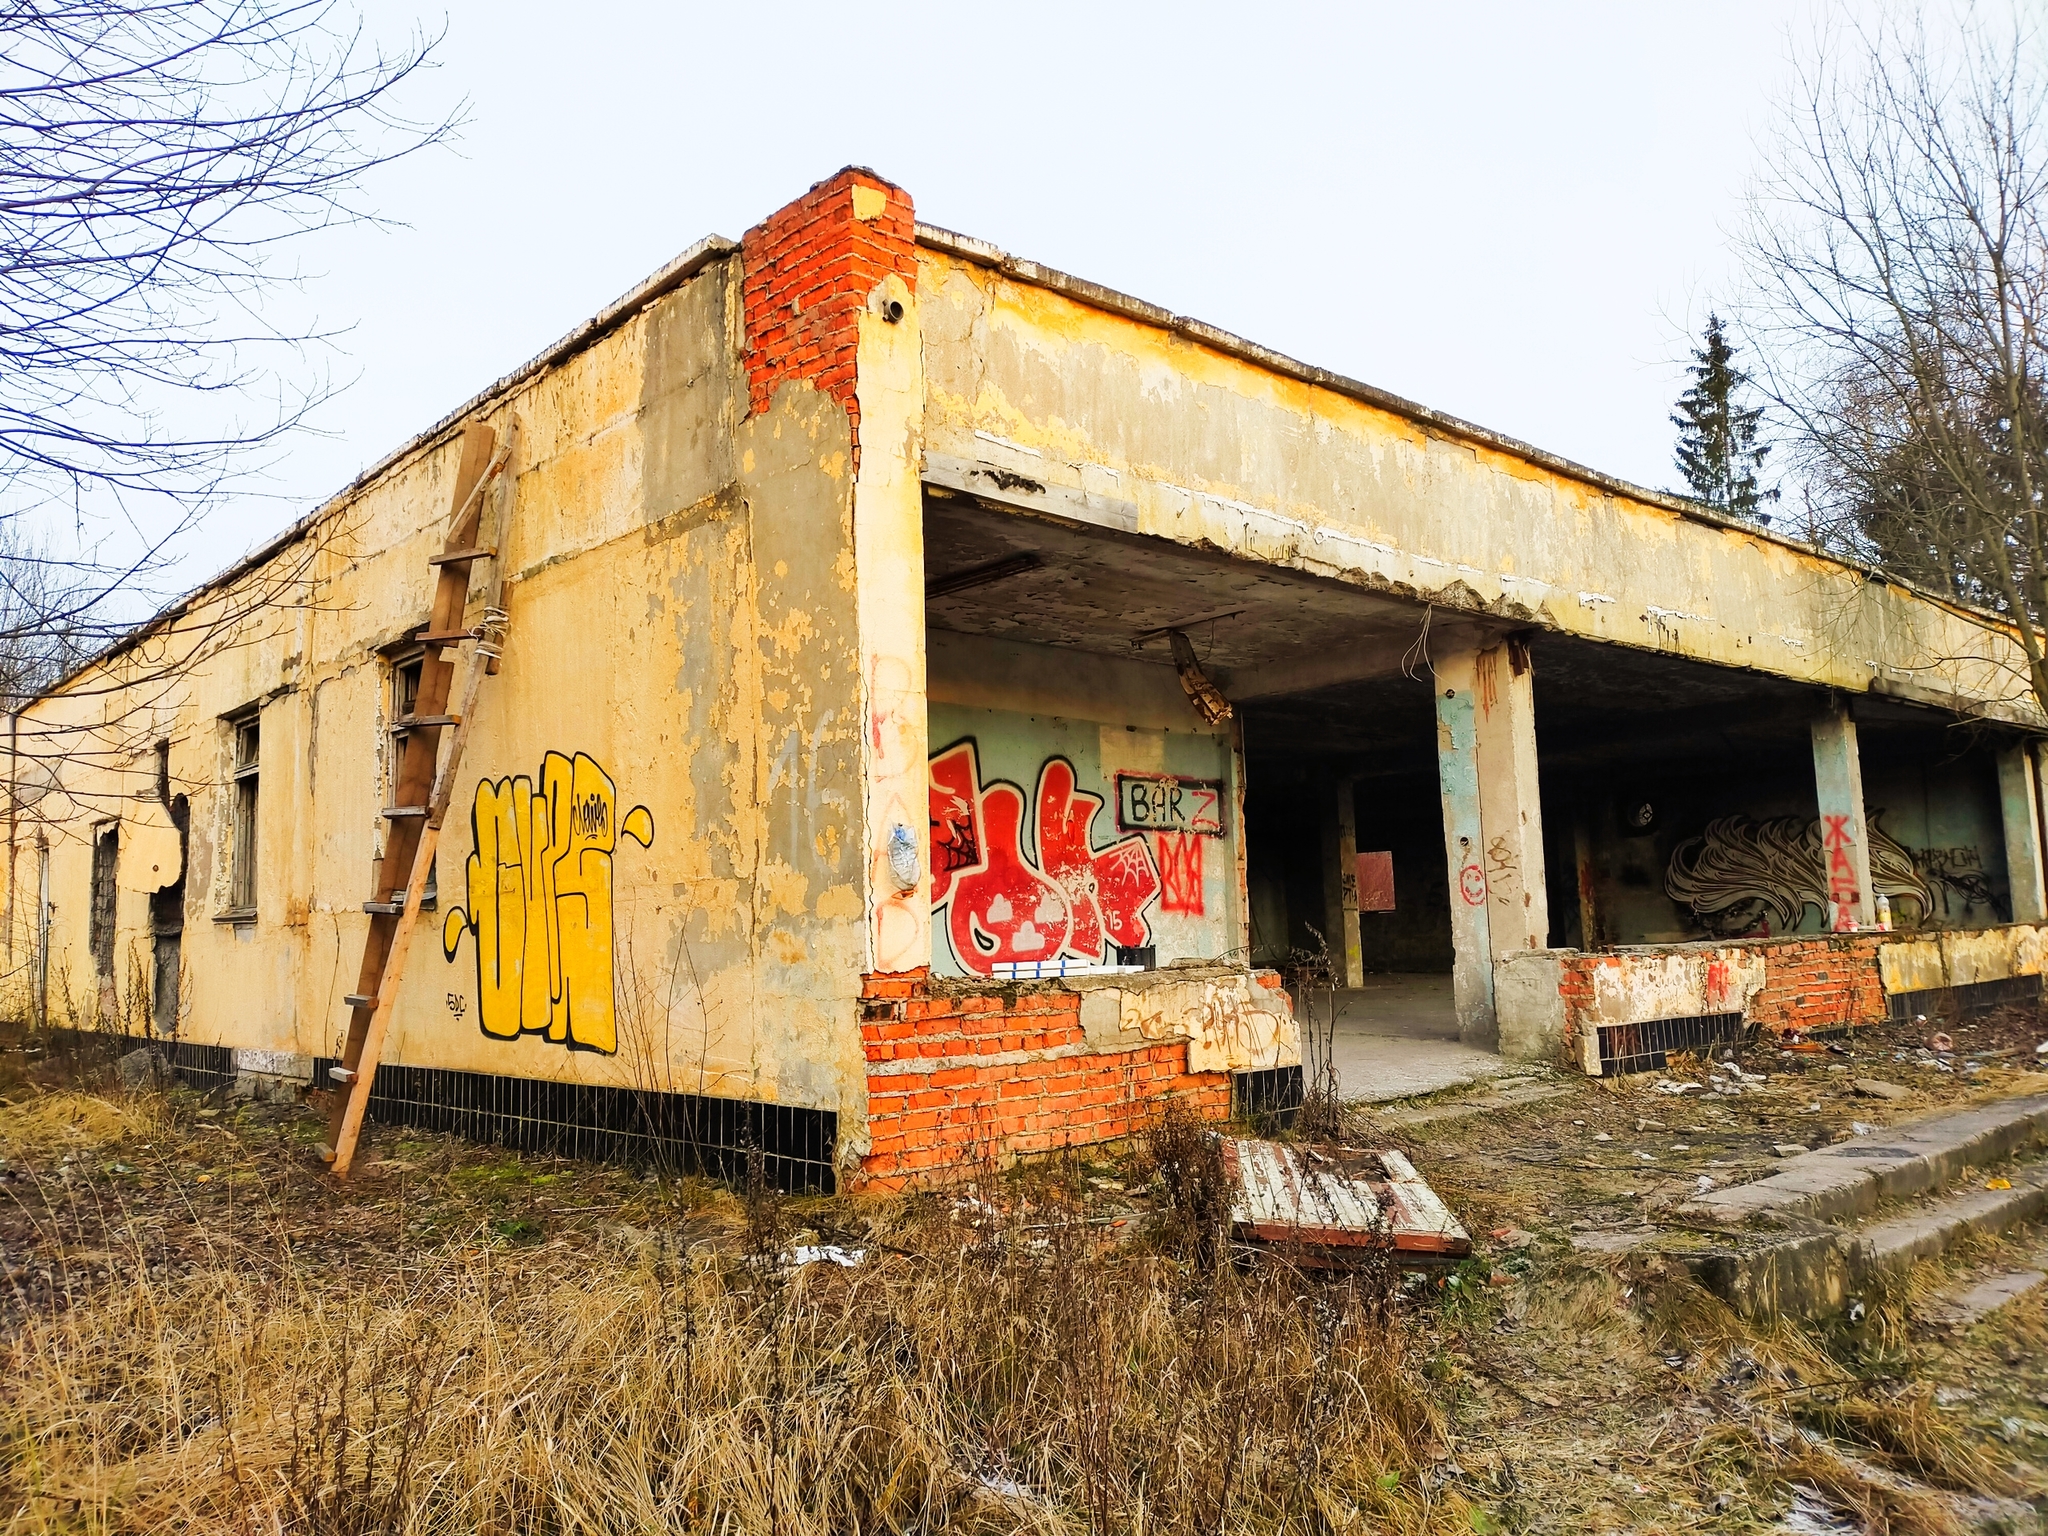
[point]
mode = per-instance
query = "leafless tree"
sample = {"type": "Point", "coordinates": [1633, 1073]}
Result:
{"type": "Point", "coordinates": [1898, 250]}
{"type": "Point", "coordinates": [161, 161]}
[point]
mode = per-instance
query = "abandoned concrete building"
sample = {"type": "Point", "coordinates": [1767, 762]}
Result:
{"type": "Point", "coordinates": [938, 694]}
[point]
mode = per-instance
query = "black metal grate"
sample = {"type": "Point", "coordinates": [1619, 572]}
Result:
{"type": "Point", "coordinates": [1644, 1047]}
{"type": "Point", "coordinates": [204, 1067]}
{"type": "Point", "coordinates": [1971, 1000]}
{"type": "Point", "coordinates": [693, 1132]}
{"type": "Point", "coordinates": [1276, 1091]}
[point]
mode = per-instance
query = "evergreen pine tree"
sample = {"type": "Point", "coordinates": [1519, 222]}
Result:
{"type": "Point", "coordinates": [1717, 448]}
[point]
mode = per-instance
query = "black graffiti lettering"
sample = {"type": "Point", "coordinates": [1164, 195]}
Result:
{"type": "Point", "coordinates": [593, 817]}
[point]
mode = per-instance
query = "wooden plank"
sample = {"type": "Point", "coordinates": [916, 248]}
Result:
{"type": "Point", "coordinates": [1334, 1200]}
{"type": "Point", "coordinates": [417, 762]}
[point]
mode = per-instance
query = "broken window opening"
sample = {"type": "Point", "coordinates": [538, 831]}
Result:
{"type": "Point", "coordinates": [405, 697]}
{"type": "Point", "coordinates": [106, 850]}
{"type": "Point", "coordinates": [244, 777]}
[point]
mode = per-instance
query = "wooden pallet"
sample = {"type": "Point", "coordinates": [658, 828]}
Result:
{"type": "Point", "coordinates": [1337, 1204]}
{"type": "Point", "coordinates": [425, 780]}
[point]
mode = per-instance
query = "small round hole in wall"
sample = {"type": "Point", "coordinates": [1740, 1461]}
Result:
{"type": "Point", "coordinates": [1638, 817]}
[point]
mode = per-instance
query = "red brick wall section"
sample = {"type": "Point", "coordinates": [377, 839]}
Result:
{"type": "Point", "coordinates": [1810, 984]}
{"type": "Point", "coordinates": [1822, 983]}
{"type": "Point", "coordinates": [956, 1080]}
{"type": "Point", "coordinates": [808, 271]}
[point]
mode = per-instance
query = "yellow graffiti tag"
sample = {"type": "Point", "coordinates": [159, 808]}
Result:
{"type": "Point", "coordinates": [539, 900]}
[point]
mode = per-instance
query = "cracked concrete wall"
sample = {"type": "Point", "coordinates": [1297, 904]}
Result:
{"type": "Point", "coordinates": [680, 580]}
{"type": "Point", "coordinates": [1214, 451]}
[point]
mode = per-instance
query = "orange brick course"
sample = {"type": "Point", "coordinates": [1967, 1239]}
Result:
{"type": "Point", "coordinates": [1812, 984]}
{"type": "Point", "coordinates": [807, 273]}
{"type": "Point", "coordinates": [958, 1080]}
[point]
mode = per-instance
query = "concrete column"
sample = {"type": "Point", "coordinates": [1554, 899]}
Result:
{"type": "Point", "coordinates": [1493, 822]}
{"type": "Point", "coordinates": [1510, 808]}
{"type": "Point", "coordinates": [888, 539]}
{"type": "Point", "coordinates": [2019, 809]}
{"type": "Point", "coordinates": [1340, 885]}
{"type": "Point", "coordinates": [1844, 841]}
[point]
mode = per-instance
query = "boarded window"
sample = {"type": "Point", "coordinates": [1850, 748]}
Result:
{"type": "Point", "coordinates": [106, 851]}
{"type": "Point", "coordinates": [1376, 882]}
{"type": "Point", "coordinates": [247, 759]}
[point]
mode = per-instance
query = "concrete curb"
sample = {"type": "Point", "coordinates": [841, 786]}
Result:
{"type": "Point", "coordinates": [1853, 1178]}
{"type": "Point", "coordinates": [1816, 1274]}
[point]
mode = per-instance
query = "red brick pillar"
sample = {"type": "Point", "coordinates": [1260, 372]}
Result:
{"type": "Point", "coordinates": [809, 269]}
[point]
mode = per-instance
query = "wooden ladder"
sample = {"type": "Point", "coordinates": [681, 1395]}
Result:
{"type": "Point", "coordinates": [426, 777]}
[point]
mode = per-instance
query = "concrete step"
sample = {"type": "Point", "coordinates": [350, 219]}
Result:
{"type": "Point", "coordinates": [1475, 1104]}
{"type": "Point", "coordinates": [1819, 1272]}
{"type": "Point", "coordinates": [1975, 1297]}
{"type": "Point", "coordinates": [1853, 1178]}
{"type": "Point", "coordinates": [1844, 1222]}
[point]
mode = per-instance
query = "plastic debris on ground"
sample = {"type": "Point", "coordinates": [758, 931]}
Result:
{"type": "Point", "coordinates": [825, 1253]}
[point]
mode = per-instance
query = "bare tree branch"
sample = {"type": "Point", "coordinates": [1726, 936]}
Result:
{"type": "Point", "coordinates": [1896, 246]}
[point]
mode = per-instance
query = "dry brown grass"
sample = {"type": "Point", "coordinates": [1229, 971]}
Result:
{"type": "Point", "coordinates": [208, 1335]}
{"type": "Point", "coordinates": [1011, 1375]}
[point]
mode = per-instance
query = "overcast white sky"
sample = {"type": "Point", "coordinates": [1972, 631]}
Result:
{"type": "Point", "coordinates": [1512, 212]}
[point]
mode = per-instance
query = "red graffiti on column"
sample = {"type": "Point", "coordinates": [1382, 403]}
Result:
{"type": "Point", "coordinates": [1844, 895]}
{"type": "Point", "coordinates": [1472, 885]}
{"type": "Point", "coordinates": [1012, 901]}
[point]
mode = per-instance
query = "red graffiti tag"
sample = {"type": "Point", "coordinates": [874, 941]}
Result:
{"type": "Point", "coordinates": [1058, 895]}
{"type": "Point", "coordinates": [1180, 872]}
{"type": "Point", "coordinates": [1844, 895]}
{"type": "Point", "coordinates": [1006, 910]}
{"type": "Point", "coordinates": [1472, 885]}
{"type": "Point", "coordinates": [955, 818]}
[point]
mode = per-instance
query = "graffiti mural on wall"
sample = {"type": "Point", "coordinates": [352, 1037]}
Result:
{"type": "Point", "coordinates": [1958, 875]}
{"type": "Point", "coordinates": [538, 902]}
{"type": "Point", "coordinates": [1020, 888]}
{"type": "Point", "coordinates": [1742, 877]}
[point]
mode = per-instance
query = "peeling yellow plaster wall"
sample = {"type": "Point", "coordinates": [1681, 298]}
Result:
{"type": "Point", "coordinates": [682, 611]}
{"type": "Point", "coordinates": [889, 573]}
{"type": "Point", "coordinates": [1215, 451]}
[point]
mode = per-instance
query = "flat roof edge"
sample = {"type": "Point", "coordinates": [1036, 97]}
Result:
{"type": "Point", "coordinates": [983, 253]}
{"type": "Point", "coordinates": [656, 285]}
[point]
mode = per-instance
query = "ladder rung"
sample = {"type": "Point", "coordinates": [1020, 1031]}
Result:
{"type": "Point", "coordinates": [357, 1000]}
{"type": "Point", "coordinates": [326, 1153]}
{"type": "Point", "coordinates": [384, 908]}
{"type": "Point", "coordinates": [342, 1074]}
{"type": "Point", "coordinates": [420, 722]}
{"type": "Point", "coordinates": [445, 636]}
{"type": "Point", "coordinates": [400, 812]}
{"type": "Point", "coordinates": [461, 556]}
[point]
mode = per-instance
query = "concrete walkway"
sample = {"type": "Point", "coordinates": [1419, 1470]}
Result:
{"type": "Point", "coordinates": [1397, 1036]}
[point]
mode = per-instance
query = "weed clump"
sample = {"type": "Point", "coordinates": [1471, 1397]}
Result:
{"type": "Point", "coordinates": [1185, 1156]}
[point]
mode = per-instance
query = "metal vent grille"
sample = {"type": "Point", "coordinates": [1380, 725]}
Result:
{"type": "Point", "coordinates": [690, 1132]}
{"type": "Point", "coordinates": [1969, 1001]}
{"type": "Point", "coordinates": [1645, 1047]}
{"type": "Point", "coordinates": [1275, 1091]}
